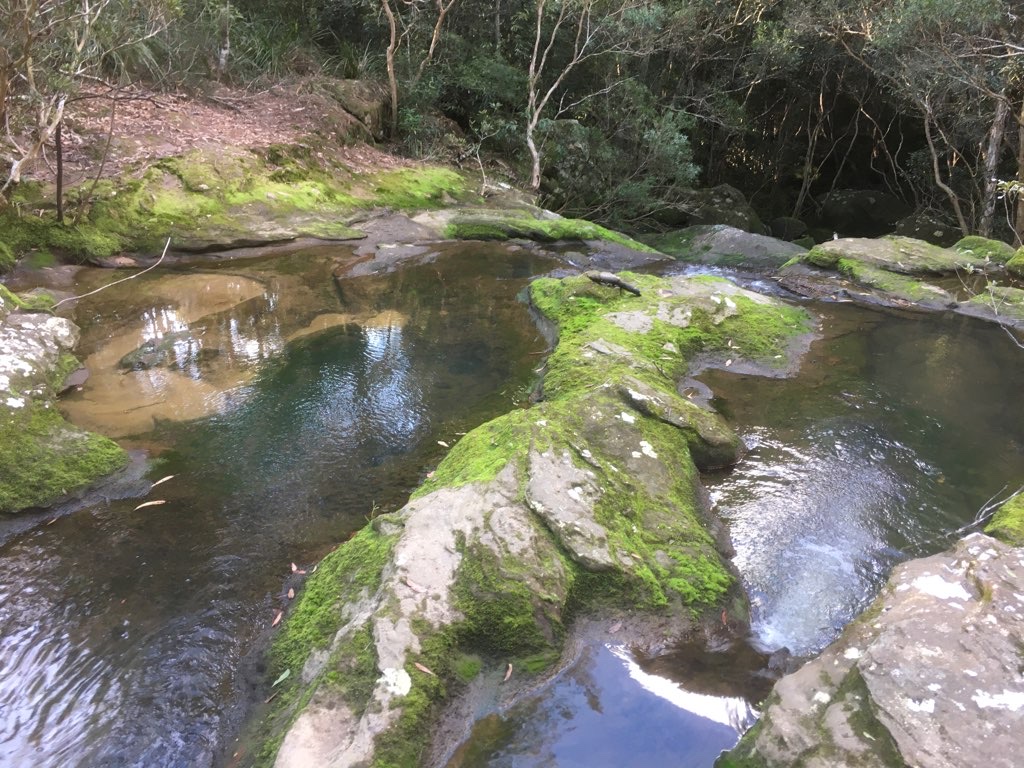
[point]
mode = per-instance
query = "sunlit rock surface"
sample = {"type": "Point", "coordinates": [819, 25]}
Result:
{"type": "Point", "coordinates": [929, 676]}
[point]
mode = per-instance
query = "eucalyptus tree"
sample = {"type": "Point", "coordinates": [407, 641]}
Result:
{"type": "Point", "coordinates": [47, 49]}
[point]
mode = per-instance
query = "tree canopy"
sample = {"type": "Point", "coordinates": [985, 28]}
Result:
{"type": "Point", "coordinates": [609, 108]}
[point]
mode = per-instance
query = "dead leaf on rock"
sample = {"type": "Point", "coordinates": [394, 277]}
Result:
{"type": "Point", "coordinates": [615, 627]}
{"type": "Point", "coordinates": [291, 593]}
{"type": "Point", "coordinates": [414, 586]}
{"type": "Point", "coordinates": [508, 673]}
{"type": "Point", "coordinates": [153, 503]}
{"type": "Point", "coordinates": [424, 669]}
{"type": "Point", "coordinates": [277, 619]}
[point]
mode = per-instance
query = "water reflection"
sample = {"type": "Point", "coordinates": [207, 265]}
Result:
{"type": "Point", "coordinates": [127, 634]}
{"type": "Point", "coordinates": [612, 710]}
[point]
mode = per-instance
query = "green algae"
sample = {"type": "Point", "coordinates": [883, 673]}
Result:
{"type": "Point", "coordinates": [7, 258]}
{"type": "Point", "coordinates": [1008, 522]}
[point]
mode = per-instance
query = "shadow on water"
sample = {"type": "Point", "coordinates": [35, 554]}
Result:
{"type": "Point", "coordinates": [124, 633]}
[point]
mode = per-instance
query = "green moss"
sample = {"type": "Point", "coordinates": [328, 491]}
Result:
{"type": "Point", "coordinates": [7, 257]}
{"type": "Point", "coordinates": [505, 225]}
{"type": "Point", "coordinates": [1015, 265]}
{"type": "Point", "coordinates": [1008, 522]}
{"type": "Point", "coordinates": [983, 248]}
{"type": "Point", "coordinates": [417, 188]}
{"type": "Point", "coordinates": [676, 243]}
{"type": "Point", "coordinates": [500, 615]}
{"type": "Point", "coordinates": [341, 577]}
{"type": "Point", "coordinates": [43, 458]}
{"type": "Point", "coordinates": [354, 670]}
{"type": "Point", "coordinates": [899, 286]}
{"type": "Point", "coordinates": [822, 257]}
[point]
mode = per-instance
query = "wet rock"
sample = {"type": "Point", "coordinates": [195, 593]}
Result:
{"type": "Point", "coordinates": [997, 303]}
{"type": "Point", "coordinates": [1015, 266]}
{"type": "Point", "coordinates": [929, 676]}
{"type": "Point", "coordinates": [727, 246]}
{"type": "Point", "coordinates": [923, 227]}
{"type": "Point", "coordinates": [901, 255]}
{"type": "Point", "coordinates": [861, 213]}
{"type": "Point", "coordinates": [42, 457]}
{"type": "Point", "coordinates": [589, 498]}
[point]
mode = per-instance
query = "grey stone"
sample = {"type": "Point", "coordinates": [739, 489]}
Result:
{"type": "Point", "coordinates": [929, 676]}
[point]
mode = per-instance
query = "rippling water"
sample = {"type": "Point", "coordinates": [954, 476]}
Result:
{"type": "Point", "coordinates": [895, 433]}
{"type": "Point", "coordinates": [131, 638]}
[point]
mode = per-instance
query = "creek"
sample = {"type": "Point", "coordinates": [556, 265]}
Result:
{"type": "Point", "coordinates": [290, 408]}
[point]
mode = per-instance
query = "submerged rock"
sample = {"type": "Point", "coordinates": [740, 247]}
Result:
{"type": "Point", "coordinates": [929, 676]}
{"type": "Point", "coordinates": [589, 498]}
{"type": "Point", "coordinates": [42, 457]}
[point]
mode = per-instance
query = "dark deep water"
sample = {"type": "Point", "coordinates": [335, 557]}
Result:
{"type": "Point", "coordinates": [287, 409]}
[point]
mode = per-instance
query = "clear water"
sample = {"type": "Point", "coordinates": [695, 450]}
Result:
{"type": "Point", "coordinates": [895, 432]}
{"type": "Point", "coordinates": [131, 638]}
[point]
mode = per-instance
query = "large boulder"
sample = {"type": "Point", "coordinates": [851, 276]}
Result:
{"type": "Point", "coordinates": [43, 458]}
{"type": "Point", "coordinates": [861, 213]}
{"type": "Point", "coordinates": [723, 204]}
{"type": "Point", "coordinates": [921, 226]}
{"type": "Point", "coordinates": [929, 676]}
{"type": "Point", "coordinates": [722, 245]}
{"type": "Point", "coordinates": [590, 497]}
{"type": "Point", "coordinates": [901, 255]}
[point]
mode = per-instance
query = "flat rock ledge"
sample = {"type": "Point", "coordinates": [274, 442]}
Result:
{"type": "Point", "coordinates": [929, 676]}
{"type": "Point", "coordinates": [43, 458]}
{"type": "Point", "coordinates": [589, 499]}
{"type": "Point", "coordinates": [905, 273]}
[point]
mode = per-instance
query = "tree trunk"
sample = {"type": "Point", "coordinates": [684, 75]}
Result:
{"type": "Point", "coordinates": [1019, 220]}
{"type": "Point", "coordinates": [58, 146]}
{"type": "Point", "coordinates": [390, 56]}
{"type": "Point", "coordinates": [995, 144]}
{"type": "Point", "coordinates": [953, 199]}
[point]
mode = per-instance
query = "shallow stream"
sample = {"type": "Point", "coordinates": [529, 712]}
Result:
{"type": "Point", "coordinates": [288, 408]}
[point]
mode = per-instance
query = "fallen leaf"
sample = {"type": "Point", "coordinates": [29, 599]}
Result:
{"type": "Point", "coordinates": [443, 444]}
{"type": "Point", "coordinates": [277, 619]}
{"type": "Point", "coordinates": [295, 568]}
{"type": "Point", "coordinates": [615, 627]}
{"type": "Point", "coordinates": [422, 668]}
{"type": "Point", "coordinates": [291, 594]}
{"type": "Point", "coordinates": [430, 474]}
{"type": "Point", "coordinates": [161, 480]}
{"type": "Point", "coordinates": [508, 673]}
{"type": "Point", "coordinates": [151, 503]}
{"type": "Point", "coordinates": [284, 676]}
{"type": "Point", "coordinates": [725, 619]}
{"type": "Point", "coordinates": [728, 362]}
{"type": "Point", "coordinates": [414, 586]}
{"type": "Point", "coordinates": [271, 697]}
{"type": "Point", "coordinates": [51, 522]}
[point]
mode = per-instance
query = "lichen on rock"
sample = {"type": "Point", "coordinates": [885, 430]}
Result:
{"type": "Point", "coordinates": [928, 676]}
{"type": "Point", "coordinates": [589, 498]}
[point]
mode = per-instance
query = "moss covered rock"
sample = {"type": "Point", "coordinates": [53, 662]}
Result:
{"type": "Point", "coordinates": [214, 201]}
{"type": "Point", "coordinates": [901, 255]}
{"type": "Point", "coordinates": [998, 303]}
{"type": "Point", "coordinates": [1008, 522]}
{"type": "Point", "coordinates": [591, 497]}
{"type": "Point", "coordinates": [726, 246]}
{"type": "Point", "coordinates": [42, 457]}
{"type": "Point", "coordinates": [948, 697]}
{"type": "Point", "coordinates": [983, 248]}
{"type": "Point", "coordinates": [1015, 265]}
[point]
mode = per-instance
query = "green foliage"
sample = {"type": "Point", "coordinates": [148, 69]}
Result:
{"type": "Point", "coordinates": [1008, 522]}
